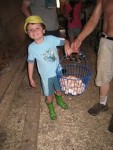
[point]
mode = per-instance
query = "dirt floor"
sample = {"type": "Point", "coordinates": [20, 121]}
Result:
{"type": "Point", "coordinates": [27, 125]}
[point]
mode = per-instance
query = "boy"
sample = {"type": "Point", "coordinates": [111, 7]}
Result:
{"type": "Point", "coordinates": [44, 50]}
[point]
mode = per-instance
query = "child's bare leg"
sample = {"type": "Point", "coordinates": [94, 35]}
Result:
{"type": "Point", "coordinates": [59, 93]}
{"type": "Point", "coordinates": [49, 99]}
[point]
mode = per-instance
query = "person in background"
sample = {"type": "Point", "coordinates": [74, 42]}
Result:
{"type": "Point", "coordinates": [71, 10]}
{"type": "Point", "coordinates": [43, 49]}
{"type": "Point", "coordinates": [110, 127]}
{"type": "Point", "coordinates": [105, 53]}
{"type": "Point", "coordinates": [46, 9]}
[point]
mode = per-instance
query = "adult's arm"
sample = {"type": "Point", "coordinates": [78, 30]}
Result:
{"type": "Point", "coordinates": [89, 27]}
{"type": "Point", "coordinates": [62, 7]}
{"type": "Point", "coordinates": [25, 8]}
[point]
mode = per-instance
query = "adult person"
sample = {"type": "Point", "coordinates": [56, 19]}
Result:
{"type": "Point", "coordinates": [71, 10]}
{"type": "Point", "coordinates": [46, 10]}
{"type": "Point", "coordinates": [105, 52]}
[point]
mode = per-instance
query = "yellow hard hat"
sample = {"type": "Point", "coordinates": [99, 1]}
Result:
{"type": "Point", "coordinates": [32, 19]}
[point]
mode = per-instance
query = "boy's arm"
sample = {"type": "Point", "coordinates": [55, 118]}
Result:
{"type": "Point", "coordinates": [30, 74]}
{"type": "Point", "coordinates": [67, 48]}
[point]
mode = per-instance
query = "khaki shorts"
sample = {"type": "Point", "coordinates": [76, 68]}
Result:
{"type": "Point", "coordinates": [104, 62]}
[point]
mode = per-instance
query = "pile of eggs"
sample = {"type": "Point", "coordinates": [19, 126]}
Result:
{"type": "Point", "coordinates": [72, 85]}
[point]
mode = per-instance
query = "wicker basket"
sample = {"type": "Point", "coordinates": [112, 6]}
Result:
{"type": "Point", "coordinates": [73, 78]}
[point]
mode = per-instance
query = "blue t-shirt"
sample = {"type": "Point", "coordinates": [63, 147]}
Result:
{"type": "Point", "coordinates": [46, 55]}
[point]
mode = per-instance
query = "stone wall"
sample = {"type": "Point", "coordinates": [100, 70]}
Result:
{"type": "Point", "coordinates": [12, 35]}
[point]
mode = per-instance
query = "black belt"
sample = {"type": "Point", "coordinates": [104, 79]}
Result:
{"type": "Point", "coordinates": [107, 37]}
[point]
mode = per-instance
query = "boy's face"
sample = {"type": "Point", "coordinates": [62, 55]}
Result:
{"type": "Point", "coordinates": [35, 31]}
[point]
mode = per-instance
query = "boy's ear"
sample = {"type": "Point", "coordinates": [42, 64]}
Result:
{"type": "Point", "coordinates": [43, 30]}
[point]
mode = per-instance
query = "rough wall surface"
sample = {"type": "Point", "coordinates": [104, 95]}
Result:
{"type": "Point", "coordinates": [12, 35]}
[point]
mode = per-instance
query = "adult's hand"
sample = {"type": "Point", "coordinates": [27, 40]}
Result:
{"type": "Point", "coordinates": [76, 45]}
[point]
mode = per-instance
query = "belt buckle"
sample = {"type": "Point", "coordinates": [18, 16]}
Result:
{"type": "Point", "coordinates": [106, 36]}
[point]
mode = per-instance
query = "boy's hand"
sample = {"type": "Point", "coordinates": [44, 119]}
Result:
{"type": "Point", "coordinates": [32, 83]}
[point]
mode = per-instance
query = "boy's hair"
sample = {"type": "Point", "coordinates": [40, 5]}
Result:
{"type": "Point", "coordinates": [33, 20]}
{"type": "Point", "coordinates": [42, 25]}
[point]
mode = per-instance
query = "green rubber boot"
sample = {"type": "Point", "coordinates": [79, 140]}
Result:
{"type": "Point", "coordinates": [60, 102]}
{"type": "Point", "coordinates": [51, 111]}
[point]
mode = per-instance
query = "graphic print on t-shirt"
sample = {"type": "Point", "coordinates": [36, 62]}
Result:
{"type": "Point", "coordinates": [49, 56]}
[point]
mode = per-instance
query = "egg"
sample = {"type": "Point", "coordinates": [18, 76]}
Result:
{"type": "Point", "coordinates": [63, 88]}
{"type": "Point", "coordinates": [83, 85]}
{"type": "Point", "coordinates": [75, 84]}
{"type": "Point", "coordinates": [80, 82]}
{"type": "Point", "coordinates": [65, 82]}
{"type": "Point", "coordinates": [69, 82]}
{"type": "Point", "coordinates": [75, 89]}
{"type": "Point", "coordinates": [70, 91]}
{"type": "Point", "coordinates": [61, 83]}
{"type": "Point", "coordinates": [82, 89]}
{"type": "Point", "coordinates": [74, 93]}
{"type": "Point", "coordinates": [66, 91]}
{"type": "Point", "coordinates": [72, 84]}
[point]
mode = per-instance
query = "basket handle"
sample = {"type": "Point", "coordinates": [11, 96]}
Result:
{"type": "Point", "coordinates": [85, 59]}
{"type": "Point", "coordinates": [80, 54]}
{"type": "Point", "coordinates": [62, 59]}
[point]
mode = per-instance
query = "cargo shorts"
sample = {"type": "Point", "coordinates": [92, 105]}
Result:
{"type": "Point", "coordinates": [104, 62]}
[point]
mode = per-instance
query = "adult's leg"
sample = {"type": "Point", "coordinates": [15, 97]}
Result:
{"type": "Point", "coordinates": [104, 75]}
{"type": "Point", "coordinates": [102, 105]}
{"type": "Point", "coordinates": [104, 90]}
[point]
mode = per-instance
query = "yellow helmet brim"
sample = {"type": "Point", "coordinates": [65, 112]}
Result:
{"type": "Point", "coordinates": [32, 19]}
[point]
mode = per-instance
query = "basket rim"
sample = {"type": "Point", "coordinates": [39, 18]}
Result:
{"type": "Point", "coordinates": [89, 73]}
